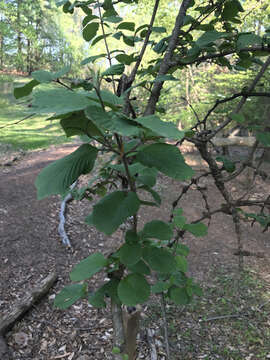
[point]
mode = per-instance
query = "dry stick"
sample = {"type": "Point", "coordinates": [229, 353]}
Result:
{"type": "Point", "coordinates": [24, 305]}
{"type": "Point", "coordinates": [165, 63]}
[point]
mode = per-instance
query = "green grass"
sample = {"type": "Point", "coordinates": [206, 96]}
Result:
{"type": "Point", "coordinates": [33, 133]}
{"type": "Point", "coordinates": [201, 329]}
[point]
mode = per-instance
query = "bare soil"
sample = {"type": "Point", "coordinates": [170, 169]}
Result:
{"type": "Point", "coordinates": [30, 248]}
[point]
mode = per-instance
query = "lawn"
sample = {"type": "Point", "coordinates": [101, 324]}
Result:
{"type": "Point", "coordinates": [32, 133]}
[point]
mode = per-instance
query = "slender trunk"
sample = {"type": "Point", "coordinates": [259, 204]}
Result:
{"type": "Point", "coordinates": [19, 36]}
{"type": "Point", "coordinates": [29, 60]}
{"type": "Point", "coordinates": [1, 51]}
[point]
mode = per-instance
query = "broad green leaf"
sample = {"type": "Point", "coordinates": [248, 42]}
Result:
{"type": "Point", "coordinates": [133, 290]}
{"type": "Point", "coordinates": [130, 254]}
{"type": "Point", "coordinates": [178, 219]}
{"type": "Point", "coordinates": [125, 59]}
{"type": "Point", "coordinates": [179, 295]}
{"type": "Point", "coordinates": [131, 237]}
{"type": "Point", "coordinates": [114, 70]}
{"type": "Point", "coordinates": [78, 124]}
{"type": "Point", "coordinates": [245, 40]}
{"type": "Point", "coordinates": [113, 19]}
{"type": "Point", "coordinates": [58, 101]}
{"type": "Point", "coordinates": [227, 163]}
{"type": "Point", "coordinates": [92, 59]}
{"type": "Point", "coordinates": [231, 9]}
{"type": "Point", "coordinates": [128, 40]}
{"type": "Point", "coordinates": [147, 176]}
{"type": "Point", "coordinates": [167, 159]}
{"type": "Point", "coordinates": [198, 229]}
{"type": "Point", "coordinates": [159, 259]}
{"type": "Point", "coordinates": [57, 177]}
{"type": "Point", "coordinates": [210, 37]}
{"type": "Point", "coordinates": [115, 122]}
{"type": "Point", "coordinates": [43, 76]}
{"type": "Point", "coordinates": [182, 249]}
{"type": "Point", "coordinates": [140, 268]}
{"type": "Point", "coordinates": [88, 18]}
{"type": "Point", "coordinates": [113, 210]}
{"type": "Point", "coordinates": [160, 287]}
{"type": "Point", "coordinates": [159, 29]}
{"type": "Point", "coordinates": [158, 230]}
{"type": "Point", "coordinates": [126, 26]}
{"type": "Point", "coordinates": [25, 90]}
{"type": "Point", "coordinates": [69, 295]}
{"type": "Point", "coordinates": [90, 31]}
{"type": "Point", "coordinates": [162, 128]}
{"type": "Point", "coordinates": [97, 299]}
{"type": "Point", "coordinates": [108, 98]}
{"type": "Point", "coordinates": [263, 138]}
{"type": "Point", "coordinates": [88, 267]}
{"type": "Point", "coordinates": [181, 262]}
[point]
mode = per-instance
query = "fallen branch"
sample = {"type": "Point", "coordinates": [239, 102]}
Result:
{"type": "Point", "coordinates": [26, 303]}
{"type": "Point", "coordinates": [235, 140]}
{"type": "Point", "coordinates": [61, 226]}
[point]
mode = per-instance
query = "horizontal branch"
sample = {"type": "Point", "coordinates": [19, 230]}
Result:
{"type": "Point", "coordinates": [235, 141]}
{"type": "Point", "coordinates": [204, 58]}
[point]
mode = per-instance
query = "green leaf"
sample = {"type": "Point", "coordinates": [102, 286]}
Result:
{"type": "Point", "coordinates": [160, 287]}
{"type": "Point", "coordinates": [159, 259]}
{"type": "Point", "coordinates": [69, 295]}
{"type": "Point", "coordinates": [78, 124]}
{"type": "Point", "coordinates": [231, 9]}
{"type": "Point", "coordinates": [108, 99]}
{"type": "Point", "coordinates": [114, 70]}
{"type": "Point", "coordinates": [128, 40]}
{"type": "Point", "coordinates": [179, 295]}
{"type": "Point", "coordinates": [126, 26]}
{"type": "Point", "coordinates": [113, 210]}
{"type": "Point", "coordinates": [115, 122]}
{"type": "Point", "coordinates": [181, 262]}
{"type": "Point", "coordinates": [210, 37]}
{"type": "Point", "coordinates": [167, 159]}
{"type": "Point", "coordinates": [158, 230]}
{"type": "Point", "coordinates": [159, 29]}
{"type": "Point", "coordinates": [140, 268]}
{"type": "Point", "coordinates": [57, 177]}
{"type": "Point", "coordinates": [97, 299]}
{"type": "Point", "coordinates": [90, 31]}
{"type": "Point", "coordinates": [130, 254]}
{"type": "Point", "coordinates": [227, 163]}
{"type": "Point", "coordinates": [178, 219]}
{"type": "Point", "coordinates": [245, 40]}
{"type": "Point", "coordinates": [125, 59]}
{"type": "Point", "coordinates": [263, 138]}
{"type": "Point", "coordinates": [92, 59]}
{"type": "Point", "coordinates": [182, 250]}
{"type": "Point", "coordinates": [43, 76]}
{"type": "Point", "coordinates": [58, 101]}
{"type": "Point", "coordinates": [133, 290]}
{"type": "Point", "coordinates": [98, 38]}
{"type": "Point", "coordinates": [25, 90]}
{"type": "Point", "coordinates": [88, 267]}
{"type": "Point", "coordinates": [198, 229]}
{"type": "Point", "coordinates": [147, 176]}
{"type": "Point", "coordinates": [162, 128]}
{"type": "Point", "coordinates": [113, 19]}
{"type": "Point", "coordinates": [88, 18]}
{"type": "Point", "coordinates": [131, 237]}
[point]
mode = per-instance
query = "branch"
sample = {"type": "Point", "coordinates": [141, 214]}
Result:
{"type": "Point", "coordinates": [165, 63]}
{"type": "Point", "coordinates": [219, 55]}
{"type": "Point", "coordinates": [243, 100]}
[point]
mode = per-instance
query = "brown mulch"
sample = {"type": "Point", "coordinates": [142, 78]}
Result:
{"type": "Point", "coordinates": [30, 248]}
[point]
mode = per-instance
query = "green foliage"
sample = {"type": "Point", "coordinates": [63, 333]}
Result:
{"type": "Point", "coordinates": [65, 171]}
{"type": "Point", "coordinates": [133, 289]}
{"type": "Point", "coordinates": [88, 267]}
{"type": "Point", "coordinates": [69, 295]}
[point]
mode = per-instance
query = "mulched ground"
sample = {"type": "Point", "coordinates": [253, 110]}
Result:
{"type": "Point", "coordinates": [30, 248]}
